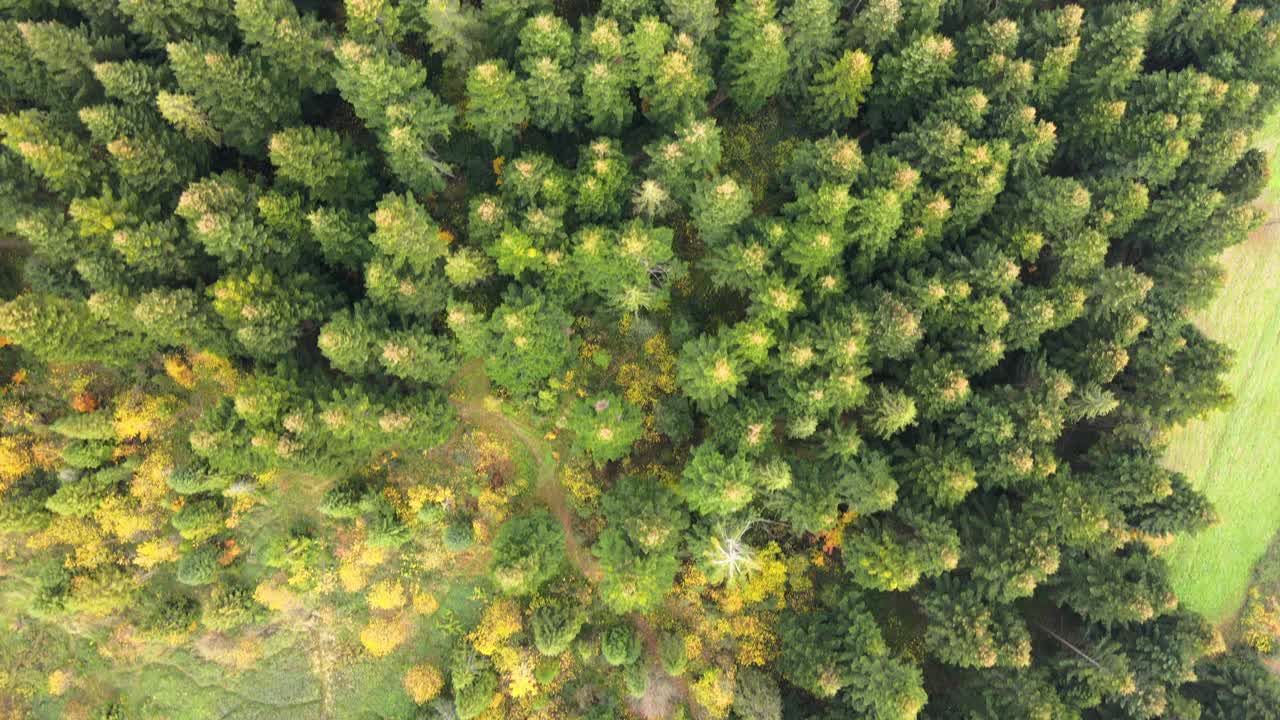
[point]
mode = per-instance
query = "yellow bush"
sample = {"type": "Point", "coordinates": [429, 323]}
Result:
{"type": "Point", "coordinates": [246, 653]}
{"type": "Point", "coordinates": [500, 621]}
{"type": "Point", "coordinates": [59, 682]}
{"type": "Point", "coordinates": [1260, 625]}
{"type": "Point", "coordinates": [424, 603]}
{"type": "Point", "coordinates": [371, 555]}
{"type": "Point", "coordinates": [386, 595]}
{"type": "Point", "coordinates": [642, 385]}
{"type": "Point", "coordinates": [271, 595]}
{"type": "Point", "coordinates": [756, 642]}
{"type": "Point", "coordinates": [242, 654]}
{"type": "Point", "coordinates": [216, 368]}
{"type": "Point", "coordinates": [149, 479]}
{"type": "Point", "coordinates": [399, 500]}
{"type": "Point", "coordinates": [693, 646]}
{"type": "Point", "coordinates": [768, 582]}
{"type": "Point", "coordinates": [177, 368]}
{"type": "Point", "coordinates": [144, 416]}
{"type": "Point", "coordinates": [382, 635]}
{"type": "Point", "coordinates": [423, 683]}
{"type": "Point", "coordinates": [580, 484]}
{"type": "Point", "coordinates": [351, 576]}
{"type": "Point", "coordinates": [419, 495]}
{"type": "Point", "coordinates": [123, 517]}
{"type": "Point", "coordinates": [714, 692]}
{"type": "Point", "coordinates": [155, 551]}
{"type": "Point", "coordinates": [492, 504]}
{"type": "Point", "coordinates": [90, 547]}
{"type": "Point", "coordinates": [517, 667]}
{"type": "Point", "coordinates": [16, 459]}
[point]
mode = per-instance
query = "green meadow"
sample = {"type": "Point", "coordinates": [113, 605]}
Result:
{"type": "Point", "coordinates": [1234, 456]}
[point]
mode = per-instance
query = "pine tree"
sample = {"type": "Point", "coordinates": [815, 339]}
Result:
{"type": "Point", "coordinates": [1235, 684]}
{"type": "Point", "coordinates": [550, 90]}
{"type": "Point", "coordinates": [757, 54]}
{"type": "Point", "coordinates": [718, 205]}
{"type": "Point", "coordinates": [839, 88]}
{"type": "Point", "coordinates": [405, 232]}
{"type": "Point", "coordinates": [606, 77]}
{"type": "Point", "coordinates": [696, 18]}
{"type": "Point", "coordinates": [452, 29]}
{"type": "Point", "coordinates": [907, 77]}
{"type": "Point", "coordinates": [496, 105]}
{"type": "Point", "coordinates": [812, 38]}
{"type": "Point", "coordinates": [55, 328]}
{"type": "Point", "coordinates": [715, 485]}
{"type": "Point", "coordinates": [679, 161]}
{"type": "Point", "coordinates": [265, 312]}
{"type": "Point", "coordinates": [52, 150]}
{"type": "Point", "coordinates": [647, 511]}
{"type": "Point", "coordinates": [852, 336]}
{"type": "Point", "coordinates": [297, 44]}
{"type": "Point", "coordinates": [634, 580]}
{"type": "Point", "coordinates": [527, 552]}
{"type": "Point", "coordinates": [243, 99]}
{"type": "Point", "coordinates": [323, 162]}
{"type": "Point", "coordinates": [708, 372]}
{"type": "Point", "coordinates": [527, 345]}
{"type": "Point", "coordinates": [677, 89]}
{"type": "Point", "coordinates": [67, 54]}
{"type": "Point", "coordinates": [388, 92]}
{"type": "Point", "coordinates": [169, 20]}
{"type": "Point", "coordinates": [555, 627]}
{"type": "Point", "coordinates": [606, 427]}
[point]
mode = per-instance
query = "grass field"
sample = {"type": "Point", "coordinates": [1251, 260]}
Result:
{"type": "Point", "coordinates": [1234, 456]}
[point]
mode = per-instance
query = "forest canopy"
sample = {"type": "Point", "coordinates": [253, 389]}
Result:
{"type": "Point", "coordinates": [635, 358]}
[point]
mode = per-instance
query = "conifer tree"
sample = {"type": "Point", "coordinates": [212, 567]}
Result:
{"type": "Point", "coordinates": [388, 92]}
{"type": "Point", "coordinates": [496, 105]}
{"type": "Point", "coordinates": [244, 99]}
{"type": "Point", "coordinates": [839, 87]}
{"type": "Point", "coordinates": [606, 77]}
{"type": "Point", "coordinates": [757, 55]}
{"type": "Point", "coordinates": [323, 162]}
{"type": "Point", "coordinates": [820, 356]}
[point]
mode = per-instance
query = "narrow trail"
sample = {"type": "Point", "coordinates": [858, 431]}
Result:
{"type": "Point", "coordinates": [473, 386]}
{"type": "Point", "coordinates": [322, 652]}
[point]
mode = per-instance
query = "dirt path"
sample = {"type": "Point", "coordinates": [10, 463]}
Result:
{"type": "Point", "coordinates": [323, 653]}
{"type": "Point", "coordinates": [472, 388]}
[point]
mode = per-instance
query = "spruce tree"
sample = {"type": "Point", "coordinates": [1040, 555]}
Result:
{"type": "Point", "coordinates": [760, 359]}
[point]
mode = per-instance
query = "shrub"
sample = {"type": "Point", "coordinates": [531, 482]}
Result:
{"type": "Point", "coordinates": [423, 683]}
{"type": "Point", "coordinates": [620, 645]}
{"type": "Point", "coordinates": [555, 627]}
{"type": "Point", "coordinates": [458, 534]}
{"type": "Point", "coordinates": [527, 552]}
{"type": "Point", "coordinates": [382, 635]}
{"type": "Point", "coordinates": [198, 566]}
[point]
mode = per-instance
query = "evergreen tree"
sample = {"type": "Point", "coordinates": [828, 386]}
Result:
{"type": "Point", "coordinates": [839, 88]}
{"type": "Point", "coordinates": [757, 55]}
{"type": "Point", "coordinates": [388, 91]}
{"type": "Point", "coordinates": [323, 162]}
{"type": "Point", "coordinates": [244, 98]}
{"type": "Point", "coordinates": [827, 352]}
{"type": "Point", "coordinates": [527, 552]}
{"type": "Point", "coordinates": [606, 427]}
{"type": "Point", "coordinates": [496, 105]}
{"type": "Point", "coordinates": [555, 627]}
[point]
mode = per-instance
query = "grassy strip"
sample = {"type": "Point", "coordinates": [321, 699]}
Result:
{"type": "Point", "coordinates": [1234, 457]}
